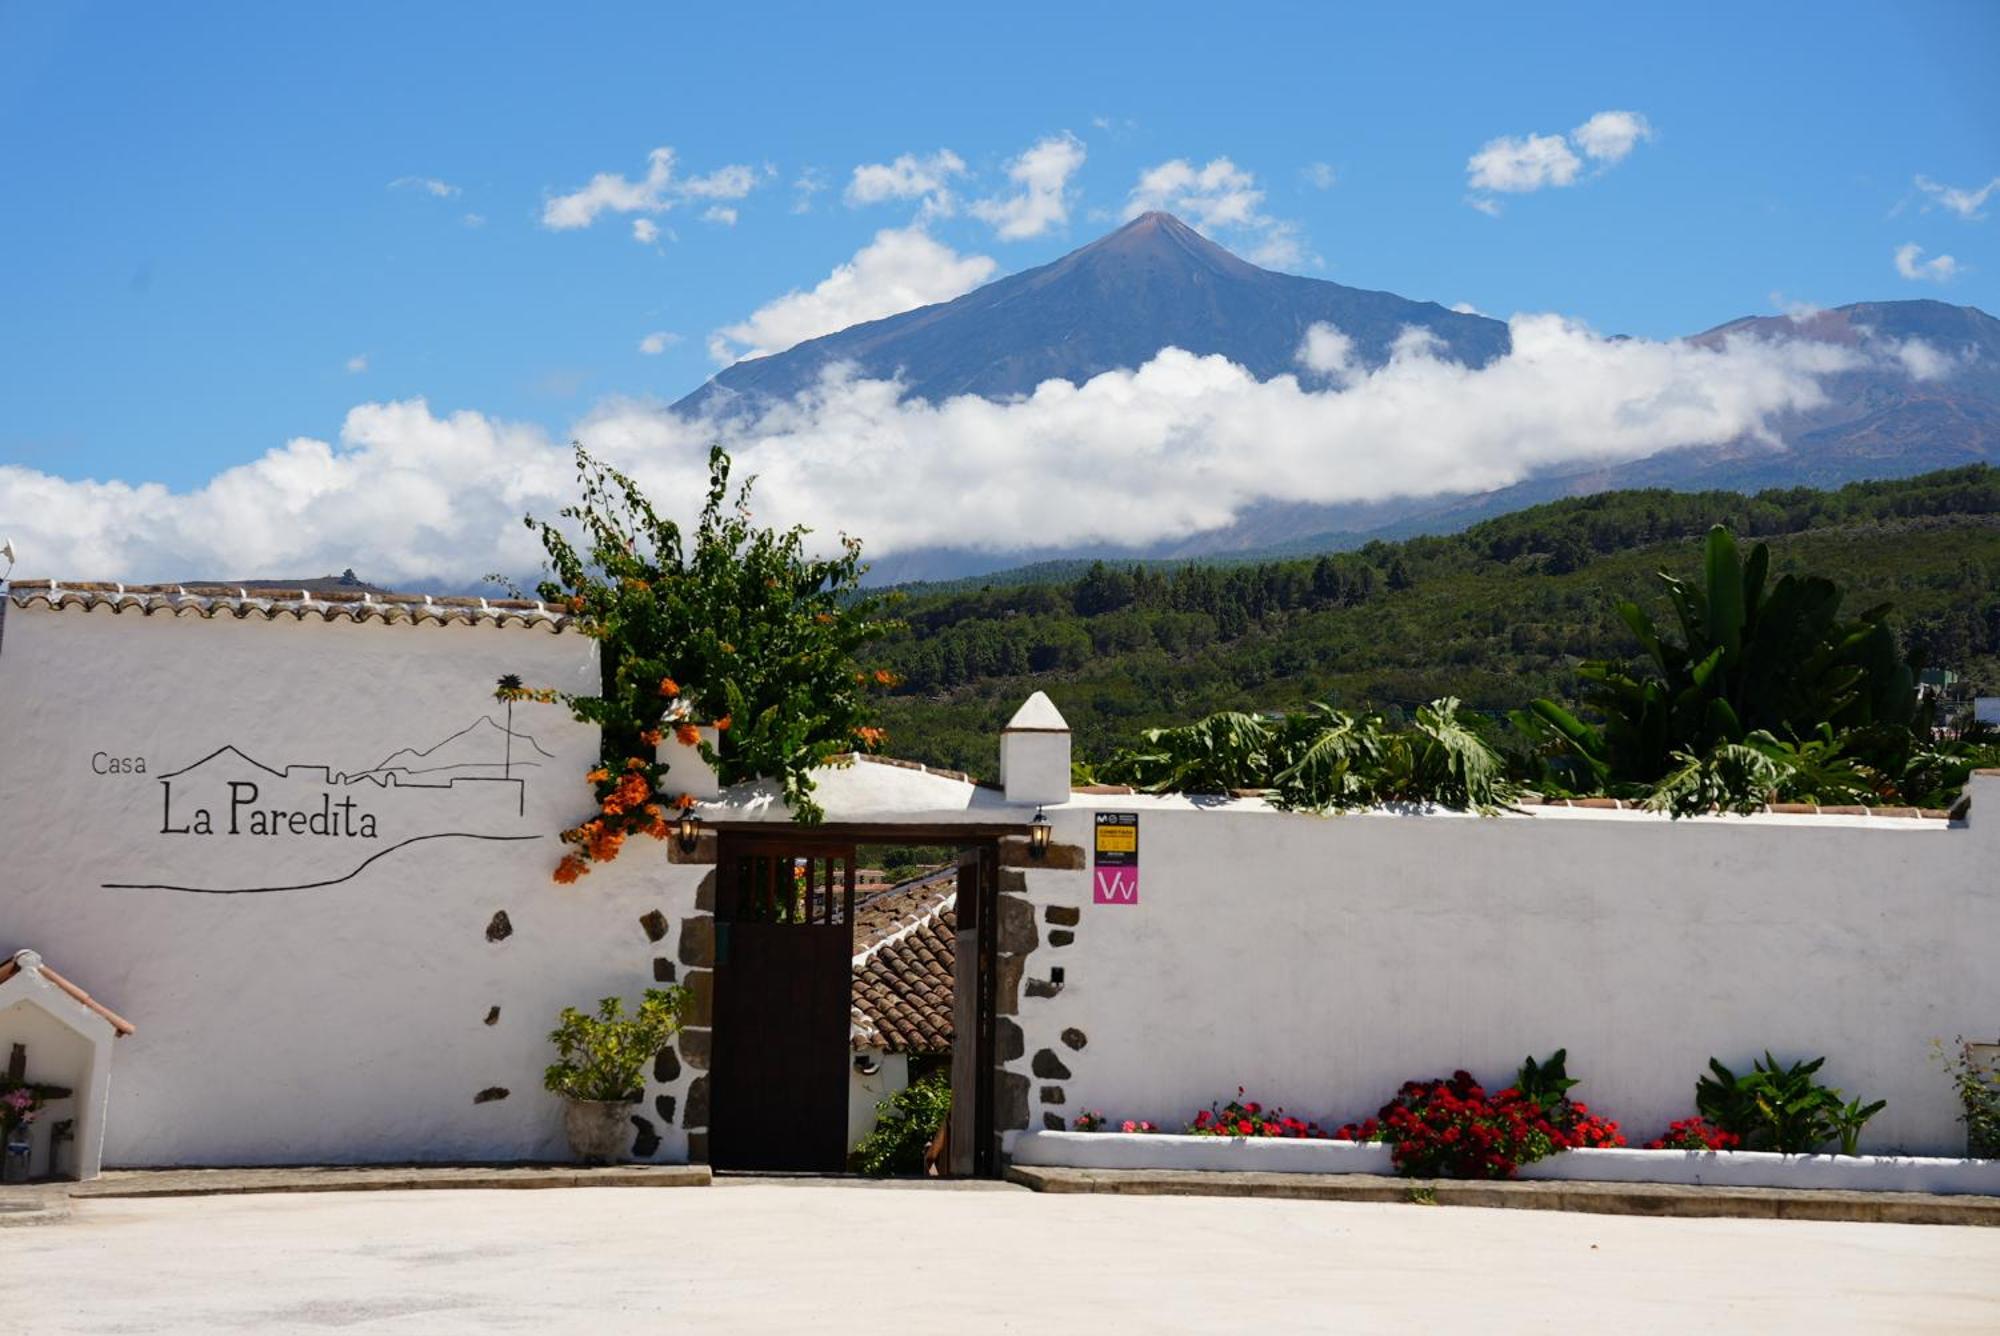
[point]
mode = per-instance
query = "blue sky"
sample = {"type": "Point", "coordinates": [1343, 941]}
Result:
{"type": "Point", "coordinates": [227, 226]}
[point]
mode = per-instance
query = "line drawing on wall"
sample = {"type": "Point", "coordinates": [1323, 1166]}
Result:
{"type": "Point", "coordinates": [316, 809]}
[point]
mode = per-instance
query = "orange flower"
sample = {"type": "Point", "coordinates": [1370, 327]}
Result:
{"type": "Point", "coordinates": [722, 724]}
{"type": "Point", "coordinates": [569, 869]}
{"type": "Point", "coordinates": [634, 763]}
{"type": "Point", "coordinates": [685, 801]}
{"type": "Point", "coordinates": [870, 736]}
{"type": "Point", "coordinates": [669, 687]}
{"type": "Point", "coordinates": [658, 829]}
{"type": "Point", "coordinates": [598, 776]}
{"type": "Point", "coordinates": [688, 734]}
{"type": "Point", "coordinates": [576, 603]}
{"type": "Point", "coordinates": [651, 737]}
{"type": "Point", "coordinates": [883, 677]}
{"type": "Point", "coordinates": [823, 618]}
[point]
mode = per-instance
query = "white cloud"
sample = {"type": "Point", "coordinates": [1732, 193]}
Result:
{"type": "Point", "coordinates": [927, 178]}
{"type": "Point", "coordinates": [1219, 198]}
{"type": "Point", "coordinates": [658, 342]}
{"type": "Point", "coordinates": [1328, 352]}
{"type": "Point", "coordinates": [1964, 202]}
{"type": "Point", "coordinates": [809, 183]}
{"type": "Point", "coordinates": [733, 182]}
{"type": "Point", "coordinates": [1518, 164]}
{"type": "Point", "coordinates": [428, 185]}
{"type": "Point", "coordinates": [645, 231]}
{"type": "Point", "coordinates": [1180, 445]}
{"type": "Point", "coordinates": [357, 364]}
{"type": "Point", "coordinates": [474, 220]}
{"type": "Point", "coordinates": [719, 214]}
{"type": "Point", "coordinates": [1218, 194]}
{"type": "Point", "coordinates": [900, 269]}
{"type": "Point", "coordinates": [1923, 362]}
{"type": "Point", "coordinates": [1528, 163]}
{"type": "Point", "coordinates": [1937, 269]}
{"type": "Point", "coordinates": [1042, 198]}
{"type": "Point", "coordinates": [656, 192]}
{"type": "Point", "coordinates": [1609, 135]}
{"type": "Point", "coordinates": [1793, 308]}
{"type": "Point", "coordinates": [1319, 175]}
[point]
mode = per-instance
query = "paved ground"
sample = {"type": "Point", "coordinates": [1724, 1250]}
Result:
{"type": "Point", "coordinates": [779, 1257]}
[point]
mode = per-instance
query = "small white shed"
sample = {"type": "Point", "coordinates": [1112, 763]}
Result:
{"type": "Point", "coordinates": [55, 1039]}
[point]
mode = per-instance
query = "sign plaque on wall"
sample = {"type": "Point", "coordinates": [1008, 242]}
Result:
{"type": "Point", "coordinates": [1115, 867]}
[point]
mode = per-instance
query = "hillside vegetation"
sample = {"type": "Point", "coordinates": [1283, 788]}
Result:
{"type": "Point", "coordinates": [1496, 615]}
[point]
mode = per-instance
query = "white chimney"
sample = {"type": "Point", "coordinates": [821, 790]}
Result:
{"type": "Point", "coordinates": [1034, 754]}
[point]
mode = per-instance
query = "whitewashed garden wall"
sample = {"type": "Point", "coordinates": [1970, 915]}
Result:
{"type": "Point", "coordinates": [400, 1013]}
{"type": "Point", "coordinates": [1322, 962]}
{"type": "Point", "coordinates": [1318, 962]}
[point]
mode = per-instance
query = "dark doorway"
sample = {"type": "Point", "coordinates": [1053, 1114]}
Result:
{"type": "Point", "coordinates": [784, 940]}
{"type": "Point", "coordinates": [784, 950]}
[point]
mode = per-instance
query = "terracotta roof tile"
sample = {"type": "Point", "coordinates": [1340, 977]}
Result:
{"type": "Point", "coordinates": [904, 979]}
{"type": "Point", "coordinates": [12, 966]}
{"type": "Point", "coordinates": [210, 601]}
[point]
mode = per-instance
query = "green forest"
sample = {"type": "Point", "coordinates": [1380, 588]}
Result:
{"type": "Point", "coordinates": [1496, 615]}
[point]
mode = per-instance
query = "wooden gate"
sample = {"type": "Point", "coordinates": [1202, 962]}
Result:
{"type": "Point", "coordinates": [784, 922]}
{"type": "Point", "coordinates": [974, 1147]}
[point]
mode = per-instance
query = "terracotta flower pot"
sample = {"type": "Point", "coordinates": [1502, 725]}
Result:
{"type": "Point", "coordinates": [598, 1129]}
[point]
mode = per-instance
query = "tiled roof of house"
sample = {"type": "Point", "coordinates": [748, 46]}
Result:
{"type": "Point", "coordinates": [903, 978]}
{"type": "Point", "coordinates": [12, 965]}
{"type": "Point", "coordinates": [210, 601]}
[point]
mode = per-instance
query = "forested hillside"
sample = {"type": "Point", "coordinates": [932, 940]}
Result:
{"type": "Point", "coordinates": [1497, 615]}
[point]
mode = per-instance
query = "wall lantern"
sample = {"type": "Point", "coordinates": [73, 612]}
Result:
{"type": "Point", "coordinates": [1038, 835]}
{"type": "Point", "coordinates": [688, 832]}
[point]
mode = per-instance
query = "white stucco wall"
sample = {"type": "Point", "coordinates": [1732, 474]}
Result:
{"type": "Point", "coordinates": [343, 1022]}
{"type": "Point", "coordinates": [866, 1090]}
{"type": "Point", "coordinates": [1320, 962]}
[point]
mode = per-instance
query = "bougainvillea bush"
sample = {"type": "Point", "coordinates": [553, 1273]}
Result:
{"type": "Point", "coordinates": [1242, 1117]}
{"type": "Point", "coordinates": [1453, 1128]}
{"type": "Point", "coordinates": [732, 624]}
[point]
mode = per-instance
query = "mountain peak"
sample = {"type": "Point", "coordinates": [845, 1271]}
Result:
{"type": "Point", "coordinates": [1161, 233]}
{"type": "Point", "coordinates": [1112, 305]}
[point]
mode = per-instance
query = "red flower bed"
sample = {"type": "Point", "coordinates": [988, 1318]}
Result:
{"type": "Point", "coordinates": [1455, 1129]}
{"type": "Point", "coordinates": [1695, 1134]}
{"type": "Point", "coordinates": [1248, 1118]}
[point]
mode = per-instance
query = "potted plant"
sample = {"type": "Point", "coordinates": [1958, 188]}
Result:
{"type": "Point", "coordinates": [600, 1066]}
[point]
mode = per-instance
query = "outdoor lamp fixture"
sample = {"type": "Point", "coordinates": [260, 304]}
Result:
{"type": "Point", "coordinates": [1038, 835]}
{"type": "Point", "coordinates": [688, 833]}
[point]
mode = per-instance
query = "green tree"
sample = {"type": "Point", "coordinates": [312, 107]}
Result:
{"type": "Point", "coordinates": [1752, 658]}
{"type": "Point", "coordinates": [735, 624]}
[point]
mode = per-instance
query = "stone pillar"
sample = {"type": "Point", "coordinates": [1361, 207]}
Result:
{"type": "Point", "coordinates": [1034, 754]}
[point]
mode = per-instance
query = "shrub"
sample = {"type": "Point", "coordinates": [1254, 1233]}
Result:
{"type": "Point", "coordinates": [731, 624]}
{"type": "Point", "coordinates": [1782, 1109]}
{"type": "Point", "coordinates": [905, 1125]}
{"type": "Point", "coordinates": [1454, 1128]}
{"type": "Point", "coordinates": [1694, 1134]}
{"type": "Point", "coordinates": [604, 1057]}
{"type": "Point", "coordinates": [1248, 1118]}
{"type": "Point", "coordinates": [1978, 1094]}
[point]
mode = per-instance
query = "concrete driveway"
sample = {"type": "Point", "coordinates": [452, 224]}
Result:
{"type": "Point", "coordinates": [781, 1257]}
